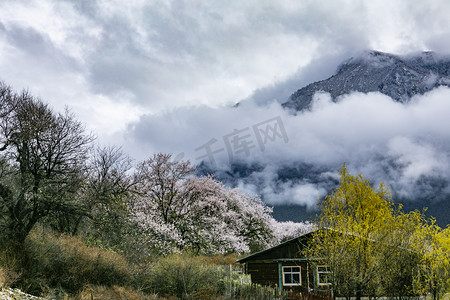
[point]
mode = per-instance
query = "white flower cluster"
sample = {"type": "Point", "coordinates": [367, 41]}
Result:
{"type": "Point", "coordinates": [284, 231]}
{"type": "Point", "coordinates": [174, 210]}
{"type": "Point", "coordinates": [204, 216]}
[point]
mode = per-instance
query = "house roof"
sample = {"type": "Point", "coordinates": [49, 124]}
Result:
{"type": "Point", "coordinates": [288, 250]}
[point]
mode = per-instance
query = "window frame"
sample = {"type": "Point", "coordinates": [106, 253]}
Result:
{"type": "Point", "coordinates": [283, 272]}
{"type": "Point", "coordinates": [328, 272]}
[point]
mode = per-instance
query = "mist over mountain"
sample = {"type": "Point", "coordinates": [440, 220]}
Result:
{"type": "Point", "coordinates": [385, 116]}
{"type": "Point", "coordinates": [382, 114]}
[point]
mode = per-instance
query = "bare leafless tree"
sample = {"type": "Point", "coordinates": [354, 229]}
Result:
{"type": "Point", "coordinates": [47, 152]}
{"type": "Point", "coordinates": [109, 186]}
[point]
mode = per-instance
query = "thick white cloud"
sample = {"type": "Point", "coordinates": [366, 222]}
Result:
{"type": "Point", "coordinates": [137, 57]}
{"type": "Point", "coordinates": [160, 76]}
{"type": "Point", "coordinates": [405, 146]}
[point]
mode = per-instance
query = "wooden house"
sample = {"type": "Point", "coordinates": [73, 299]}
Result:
{"type": "Point", "coordinates": [285, 266]}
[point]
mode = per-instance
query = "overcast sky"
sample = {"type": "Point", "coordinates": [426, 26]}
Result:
{"type": "Point", "coordinates": [112, 62]}
{"type": "Point", "coordinates": [162, 75]}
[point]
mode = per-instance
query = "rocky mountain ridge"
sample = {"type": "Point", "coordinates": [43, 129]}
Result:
{"type": "Point", "coordinates": [399, 77]}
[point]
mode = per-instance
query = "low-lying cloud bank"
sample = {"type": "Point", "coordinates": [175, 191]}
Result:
{"type": "Point", "coordinates": [295, 159]}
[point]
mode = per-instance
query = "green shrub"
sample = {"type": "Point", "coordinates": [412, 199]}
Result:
{"type": "Point", "coordinates": [52, 261]}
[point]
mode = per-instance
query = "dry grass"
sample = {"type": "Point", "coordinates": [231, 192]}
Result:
{"type": "Point", "coordinates": [61, 266]}
{"type": "Point", "coordinates": [2, 278]}
{"type": "Point", "coordinates": [64, 261]}
{"type": "Point", "coordinates": [219, 259]}
{"type": "Point", "coordinates": [8, 266]}
{"type": "Point", "coordinates": [113, 293]}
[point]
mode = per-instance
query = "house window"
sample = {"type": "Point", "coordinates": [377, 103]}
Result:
{"type": "Point", "coordinates": [292, 276]}
{"type": "Point", "coordinates": [323, 275]}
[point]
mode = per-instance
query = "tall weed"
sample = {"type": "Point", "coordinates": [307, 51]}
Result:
{"type": "Point", "coordinates": [55, 260]}
{"type": "Point", "coordinates": [183, 276]}
{"type": "Point", "coordinates": [112, 293]}
{"type": "Point", "coordinates": [9, 266]}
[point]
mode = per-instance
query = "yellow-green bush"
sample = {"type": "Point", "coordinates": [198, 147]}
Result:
{"type": "Point", "coordinates": [60, 261]}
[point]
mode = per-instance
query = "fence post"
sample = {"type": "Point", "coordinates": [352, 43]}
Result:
{"type": "Point", "coordinates": [315, 277]}
{"type": "Point", "coordinates": [280, 278]}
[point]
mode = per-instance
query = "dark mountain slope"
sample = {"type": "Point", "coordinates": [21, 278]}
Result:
{"type": "Point", "coordinates": [395, 76]}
